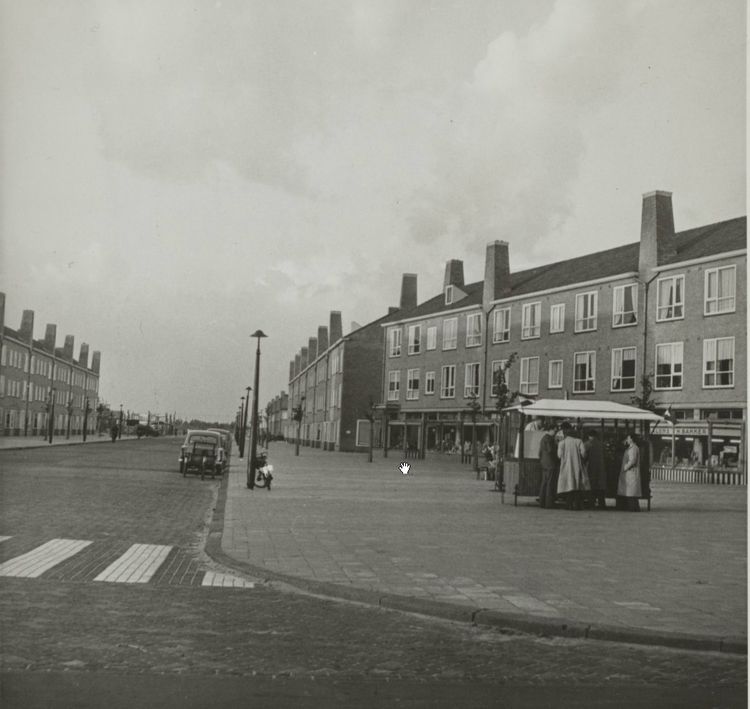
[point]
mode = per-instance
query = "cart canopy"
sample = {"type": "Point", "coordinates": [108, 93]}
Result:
{"type": "Point", "coordinates": [589, 409]}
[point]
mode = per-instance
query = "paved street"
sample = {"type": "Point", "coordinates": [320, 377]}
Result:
{"type": "Point", "coordinates": [439, 534]}
{"type": "Point", "coordinates": [77, 633]}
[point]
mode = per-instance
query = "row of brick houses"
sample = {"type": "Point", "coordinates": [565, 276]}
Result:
{"type": "Point", "coordinates": [671, 305]}
{"type": "Point", "coordinates": [40, 382]}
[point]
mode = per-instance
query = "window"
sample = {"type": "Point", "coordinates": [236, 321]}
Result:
{"type": "Point", "coordinates": [584, 372]}
{"type": "Point", "coordinates": [670, 294]}
{"type": "Point", "coordinates": [530, 375]}
{"type": "Point", "coordinates": [431, 338]}
{"type": "Point", "coordinates": [555, 374]}
{"type": "Point", "coordinates": [586, 307]}
{"type": "Point", "coordinates": [623, 369]}
{"type": "Point", "coordinates": [450, 333]}
{"type": "Point", "coordinates": [720, 290]}
{"type": "Point", "coordinates": [498, 374]}
{"type": "Point", "coordinates": [448, 295]}
{"type": "Point", "coordinates": [395, 336]}
{"type": "Point", "coordinates": [669, 366]}
{"type": "Point", "coordinates": [394, 383]}
{"type": "Point", "coordinates": [718, 362]}
{"type": "Point", "coordinates": [412, 384]}
{"type": "Point", "coordinates": [474, 329]}
{"type": "Point", "coordinates": [429, 383]}
{"type": "Point", "coordinates": [471, 380]}
{"type": "Point", "coordinates": [625, 306]}
{"type": "Point", "coordinates": [501, 326]}
{"type": "Point", "coordinates": [530, 320]}
{"type": "Point", "coordinates": [557, 318]}
{"type": "Point", "coordinates": [415, 339]}
{"type": "Point", "coordinates": [448, 382]}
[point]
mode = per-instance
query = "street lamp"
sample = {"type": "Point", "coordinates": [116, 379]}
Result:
{"type": "Point", "coordinates": [243, 440]}
{"type": "Point", "coordinates": [119, 433]}
{"type": "Point", "coordinates": [51, 413]}
{"type": "Point", "coordinates": [298, 414]}
{"type": "Point", "coordinates": [86, 411]}
{"type": "Point", "coordinates": [254, 430]}
{"type": "Point", "coordinates": [69, 408]}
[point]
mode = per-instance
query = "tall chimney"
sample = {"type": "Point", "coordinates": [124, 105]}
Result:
{"type": "Point", "coordinates": [454, 274]}
{"type": "Point", "coordinates": [297, 364]}
{"type": "Point", "coordinates": [68, 347]}
{"type": "Point", "coordinates": [496, 272]}
{"type": "Point", "coordinates": [303, 359]}
{"type": "Point", "coordinates": [291, 370]}
{"type": "Point", "coordinates": [83, 358]}
{"type": "Point", "coordinates": [312, 349]}
{"type": "Point", "coordinates": [96, 361]}
{"type": "Point", "coordinates": [322, 339]}
{"type": "Point", "coordinates": [26, 332]}
{"type": "Point", "coordinates": [408, 291]}
{"type": "Point", "coordinates": [657, 231]}
{"type": "Point", "coordinates": [50, 337]}
{"type": "Point", "coordinates": [2, 313]}
{"type": "Point", "coordinates": [335, 329]}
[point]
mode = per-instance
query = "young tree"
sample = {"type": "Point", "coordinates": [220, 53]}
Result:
{"type": "Point", "coordinates": [505, 398]}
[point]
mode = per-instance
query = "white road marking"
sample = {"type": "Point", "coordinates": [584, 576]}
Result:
{"type": "Point", "coordinates": [213, 578]}
{"type": "Point", "coordinates": [37, 561]}
{"type": "Point", "coordinates": [137, 565]}
{"type": "Point", "coordinates": [2, 539]}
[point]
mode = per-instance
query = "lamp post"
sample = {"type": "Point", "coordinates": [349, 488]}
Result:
{"type": "Point", "coordinates": [243, 423]}
{"type": "Point", "coordinates": [474, 408]}
{"type": "Point", "coordinates": [254, 430]}
{"type": "Point", "coordinates": [119, 432]}
{"type": "Point", "coordinates": [51, 413]}
{"type": "Point", "coordinates": [298, 415]}
{"type": "Point", "coordinates": [86, 411]}
{"type": "Point", "coordinates": [69, 408]}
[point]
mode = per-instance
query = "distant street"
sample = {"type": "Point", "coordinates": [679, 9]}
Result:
{"type": "Point", "coordinates": [82, 626]}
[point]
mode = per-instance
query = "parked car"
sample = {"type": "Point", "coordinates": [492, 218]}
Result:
{"type": "Point", "coordinates": [146, 431]}
{"type": "Point", "coordinates": [204, 453]}
{"type": "Point", "coordinates": [226, 438]}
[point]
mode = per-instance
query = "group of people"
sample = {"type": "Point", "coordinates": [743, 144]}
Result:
{"type": "Point", "coordinates": [574, 470]}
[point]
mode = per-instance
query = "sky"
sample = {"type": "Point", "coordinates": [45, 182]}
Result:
{"type": "Point", "coordinates": [178, 174]}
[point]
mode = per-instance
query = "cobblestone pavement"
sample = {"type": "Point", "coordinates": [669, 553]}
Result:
{"type": "Point", "coordinates": [440, 534]}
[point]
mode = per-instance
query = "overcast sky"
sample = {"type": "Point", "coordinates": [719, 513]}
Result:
{"type": "Point", "coordinates": [177, 174]}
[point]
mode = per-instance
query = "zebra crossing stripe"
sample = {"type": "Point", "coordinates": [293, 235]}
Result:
{"type": "Point", "coordinates": [2, 539]}
{"type": "Point", "coordinates": [137, 565]}
{"type": "Point", "coordinates": [43, 558]}
{"type": "Point", "coordinates": [213, 578]}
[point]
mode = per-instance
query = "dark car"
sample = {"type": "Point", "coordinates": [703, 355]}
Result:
{"type": "Point", "coordinates": [203, 452]}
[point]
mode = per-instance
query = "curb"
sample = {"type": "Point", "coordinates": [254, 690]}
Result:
{"type": "Point", "coordinates": [44, 444]}
{"type": "Point", "coordinates": [545, 627]}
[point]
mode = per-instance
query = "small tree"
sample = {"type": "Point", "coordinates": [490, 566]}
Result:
{"type": "Point", "coordinates": [298, 413]}
{"type": "Point", "coordinates": [644, 401]}
{"type": "Point", "coordinates": [505, 398]}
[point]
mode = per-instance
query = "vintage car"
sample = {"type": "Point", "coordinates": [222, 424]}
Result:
{"type": "Point", "coordinates": [203, 452]}
{"type": "Point", "coordinates": [226, 438]}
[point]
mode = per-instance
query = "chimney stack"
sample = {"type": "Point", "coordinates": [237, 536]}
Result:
{"type": "Point", "coordinates": [68, 347]}
{"type": "Point", "coordinates": [496, 273]}
{"type": "Point", "coordinates": [657, 231]}
{"type": "Point", "coordinates": [83, 359]}
{"type": "Point", "coordinates": [297, 365]}
{"type": "Point", "coordinates": [291, 370]}
{"type": "Point", "coordinates": [312, 349]}
{"type": "Point", "coordinates": [454, 274]}
{"type": "Point", "coordinates": [408, 291]}
{"type": "Point", "coordinates": [96, 360]}
{"type": "Point", "coordinates": [26, 332]}
{"type": "Point", "coordinates": [50, 337]}
{"type": "Point", "coordinates": [303, 359]}
{"type": "Point", "coordinates": [322, 339]}
{"type": "Point", "coordinates": [335, 330]}
{"type": "Point", "coordinates": [2, 314]}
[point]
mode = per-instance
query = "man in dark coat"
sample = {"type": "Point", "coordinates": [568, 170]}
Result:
{"type": "Point", "coordinates": [550, 467]}
{"type": "Point", "coordinates": [596, 470]}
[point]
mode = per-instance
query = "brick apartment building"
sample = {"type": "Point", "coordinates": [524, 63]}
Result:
{"type": "Point", "coordinates": [672, 305]}
{"type": "Point", "coordinates": [40, 382]}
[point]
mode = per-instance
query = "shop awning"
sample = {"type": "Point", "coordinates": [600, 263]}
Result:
{"type": "Point", "coordinates": [589, 409]}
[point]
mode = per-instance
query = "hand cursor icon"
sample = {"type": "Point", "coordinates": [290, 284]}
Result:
{"type": "Point", "coordinates": [404, 468]}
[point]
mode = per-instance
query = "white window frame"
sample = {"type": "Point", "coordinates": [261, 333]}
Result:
{"type": "Point", "coordinates": [528, 386]}
{"type": "Point", "coordinates": [496, 364]}
{"type": "Point", "coordinates": [707, 300]}
{"type": "Point", "coordinates": [429, 383]}
{"type": "Point", "coordinates": [677, 304]}
{"type": "Point", "coordinates": [675, 346]}
{"type": "Point", "coordinates": [394, 339]}
{"type": "Point", "coordinates": [452, 342]}
{"type": "Point", "coordinates": [587, 323]}
{"type": "Point", "coordinates": [472, 373]}
{"type": "Point", "coordinates": [622, 313]}
{"type": "Point", "coordinates": [561, 367]}
{"type": "Point", "coordinates": [412, 394]}
{"type": "Point", "coordinates": [415, 339]}
{"type": "Point", "coordinates": [448, 383]}
{"type": "Point", "coordinates": [474, 332]}
{"type": "Point", "coordinates": [557, 313]}
{"type": "Point", "coordinates": [531, 331]}
{"type": "Point", "coordinates": [613, 378]}
{"type": "Point", "coordinates": [715, 372]}
{"type": "Point", "coordinates": [432, 338]}
{"type": "Point", "coordinates": [501, 325]}
{"type": "Point", "coordinates": [394, 385]}
{"type": "Point", "coordinates": [591, 374]}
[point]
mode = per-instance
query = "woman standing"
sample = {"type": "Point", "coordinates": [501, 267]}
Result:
{"type": "Point", "coordinates": [629, 485]}
{"type": "Point", "coordinates": [573, 480]}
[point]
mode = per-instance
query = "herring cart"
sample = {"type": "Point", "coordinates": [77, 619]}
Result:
{"type": "Point", "coordinates": [522, 472]}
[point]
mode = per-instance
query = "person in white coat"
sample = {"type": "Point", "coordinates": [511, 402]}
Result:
{"type": "Point", "coordinates": [629, 485]}
{"type": "Point", "coordinates": [573, 479]}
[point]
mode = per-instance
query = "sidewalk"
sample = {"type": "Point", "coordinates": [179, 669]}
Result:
{"type": "Point", "coordinates": [14, 442]}
{"type": "Point", "coordinates": [438, 541]}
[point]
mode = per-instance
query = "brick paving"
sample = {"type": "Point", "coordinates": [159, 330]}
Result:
{"type": "Point", "coordinates": [439, 534]}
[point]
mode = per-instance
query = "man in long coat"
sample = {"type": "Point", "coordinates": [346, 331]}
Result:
{"type": "Point", "coordinates": [596, 469]}
{"type": "Point", "coordinates": [629, 485]}
{"type": "Point", "coordinates": [573, 480]}
{"type": "Point", "coordinates": [549, 463]}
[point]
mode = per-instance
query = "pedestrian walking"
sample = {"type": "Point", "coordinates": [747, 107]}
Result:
{"type": "Point", "coordinates": [629, 485]}
{"type": "Point", "coordinates": [573, 480]}
{"type": "Point", "coordinates": [550, 468]}
{"type": "Point", "coordinates": [114, 432]}
{"type": "Point", "coordinates": [596, 469]}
